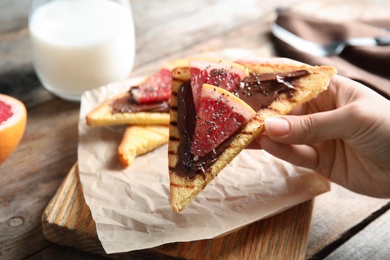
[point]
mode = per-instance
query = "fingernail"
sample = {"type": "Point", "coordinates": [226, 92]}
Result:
{"type": "Point", "coordinates": [277, 126]}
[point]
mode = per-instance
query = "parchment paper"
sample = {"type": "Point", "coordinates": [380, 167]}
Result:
{"type": "Point", "coordinates": [131, 205]}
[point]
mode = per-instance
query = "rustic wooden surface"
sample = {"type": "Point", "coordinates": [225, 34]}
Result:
{"type": "Point", "coordinates": [368, 239]}
{"type": "Point", "coordinates": [67, 221]}
{"type": "Point", "coordinates": [342, 221]}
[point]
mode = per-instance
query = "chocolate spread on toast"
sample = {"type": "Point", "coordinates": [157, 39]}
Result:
{"type": "Point", "coordinates": [128, 104]}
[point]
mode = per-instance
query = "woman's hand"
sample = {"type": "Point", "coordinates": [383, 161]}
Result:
{"type": "Point", "coordinates": [343, 134]}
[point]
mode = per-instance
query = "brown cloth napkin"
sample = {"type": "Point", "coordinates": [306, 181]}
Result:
{"type": "Point", "coordinates": [369, 65]}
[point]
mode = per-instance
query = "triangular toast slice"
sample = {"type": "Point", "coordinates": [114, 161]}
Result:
{"type": "Point", "coordinates": [104, 115]}
{"type": "Point", "coordinates": [153, 109]}
{"type": "Point", "coordinates": [184, 189]}
{"type": "Point", "coordinates": [141, 139]}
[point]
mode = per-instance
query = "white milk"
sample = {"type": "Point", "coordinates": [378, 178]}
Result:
{"type": "Point", "coordinates": [81, 44]}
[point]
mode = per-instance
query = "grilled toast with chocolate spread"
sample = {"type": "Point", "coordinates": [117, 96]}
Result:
{"type": "Point", "coordinates": [118, 111]}
{"type": "Point", "coordinates": [145, 104]}
{"type": "Point", "coordinates": [296, 84]}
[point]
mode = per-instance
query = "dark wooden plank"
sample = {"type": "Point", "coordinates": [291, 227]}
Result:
{"type": "Point", "coordinates": [162, 27]}
{"type": "Point", "coordinates": [32, 174]}
{"type": "Point", "coordinates": [58, 252]}
{"type": "Point", "coordinates": [337, 212]}
{"type": "Point", "coordinates": [166, 27]}
{"type": "Point", "coordinates": [23, 84]}
{"type": "Point", "coordinates": [373, 242]}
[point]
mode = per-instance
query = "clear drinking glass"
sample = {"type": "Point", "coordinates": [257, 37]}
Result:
{"type": "Point", "coordinates": [79, 45]}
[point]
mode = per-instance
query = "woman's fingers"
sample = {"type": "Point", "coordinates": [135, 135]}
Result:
{"type": "Point", "coordinates": [312, 128]}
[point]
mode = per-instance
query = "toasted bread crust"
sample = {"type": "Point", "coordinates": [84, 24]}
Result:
{"type": "Point", "coordinates": [138, 140]}
{"type": "Point", "coordinates": [183, 190]}
{"type": "Point", "coordinates": [103, 115]}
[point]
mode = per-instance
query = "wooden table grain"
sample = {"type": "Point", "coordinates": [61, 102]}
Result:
{"type": "Point", "coordinates": [343, 224]}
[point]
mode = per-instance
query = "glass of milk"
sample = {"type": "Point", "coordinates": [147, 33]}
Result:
{"type": "Point", "coordinates": [79, 45]}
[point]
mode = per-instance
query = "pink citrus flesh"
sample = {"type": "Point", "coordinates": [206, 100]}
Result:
{"type": "Point", "coordinates": [13, 118]}
{"type": "Point", "coordinates": [156, 88]}
{"type": "Point", "coordinates": [219, 116]}
{"type": "Point", "coordinates": [223, 74]}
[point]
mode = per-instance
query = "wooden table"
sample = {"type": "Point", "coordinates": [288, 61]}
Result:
{"type": "Point", "coordinates": [343, 224]}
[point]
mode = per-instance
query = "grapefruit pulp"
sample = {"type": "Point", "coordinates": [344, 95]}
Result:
{"type": "Point", "coordinates": [220, 115]}
{"type": "Point", "coordinates": [223, 74]}
{"type": "Point", "coordinates": [156, 88]}
{"type": "Point", "coordinates": [13, 118]}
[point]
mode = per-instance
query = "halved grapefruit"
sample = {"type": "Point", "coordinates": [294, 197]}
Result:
{"type": "Point", "coordinates": [219, 116]}
{"type": "Point", "coordinates": [13, 118]}
{"type": "Point", "coordinates": [223, 74]}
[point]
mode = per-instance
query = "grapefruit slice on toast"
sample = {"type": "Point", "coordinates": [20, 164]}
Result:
{"type": "Point", "coordinates": [154, 90]}
{"type": "Point", "coordinates": [224, 74]}
{"type": "Point", "coordinates": [220, 114]}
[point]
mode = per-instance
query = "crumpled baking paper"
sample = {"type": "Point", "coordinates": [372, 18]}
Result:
{"type": "Point", "coordinates": [131, 206]}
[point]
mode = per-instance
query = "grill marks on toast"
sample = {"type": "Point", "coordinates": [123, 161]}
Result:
{"type": "Point", "coordinates": [174, 137]}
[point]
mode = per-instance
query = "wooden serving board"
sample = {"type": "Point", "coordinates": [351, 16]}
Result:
{"type": "Point", "coordinates": [67, 221]}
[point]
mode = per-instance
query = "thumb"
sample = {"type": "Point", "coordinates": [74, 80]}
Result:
{"type": "Point", "coordinates": [308, 129]}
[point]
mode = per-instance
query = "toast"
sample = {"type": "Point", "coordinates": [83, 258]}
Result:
{"type": "Point", "coordinates": [104, 115]}
{"type": "Point", "coordinates": [184, 189]}
{"type": "Point", "coordinates": [138, 140]}
{"type": "Point", "coordinates": [152, 95]}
